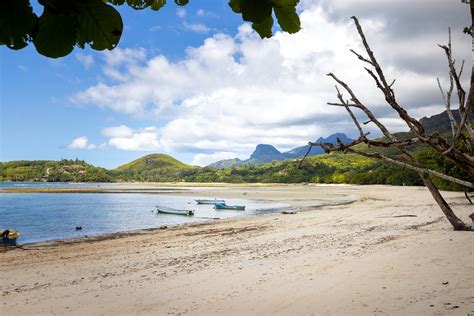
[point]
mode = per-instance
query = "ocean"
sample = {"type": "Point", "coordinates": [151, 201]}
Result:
{"type": "Point", "coordinates": [50, 216]}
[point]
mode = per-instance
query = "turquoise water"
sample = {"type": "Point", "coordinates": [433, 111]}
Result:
{"type": "Point", "coordinates": [49, 216]}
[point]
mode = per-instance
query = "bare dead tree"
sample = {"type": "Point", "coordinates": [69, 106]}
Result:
{"type": "Point", "coordinates": [459, 149]}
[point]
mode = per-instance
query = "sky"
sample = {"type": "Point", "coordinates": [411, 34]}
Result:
{"type": "Point", "coordinates": [197, 83]}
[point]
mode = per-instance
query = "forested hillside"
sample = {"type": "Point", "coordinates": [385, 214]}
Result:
{"type": "Point", "coordinates": [323, 168]}
{"type": "Point", "coordinates": [52, 171]}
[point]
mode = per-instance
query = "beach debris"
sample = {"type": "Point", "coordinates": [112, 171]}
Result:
{"type": "Point", "coordinates": [445, 283]}
{"type": "Point", "coordinates": [9, 237]}
{"type": "Point", "coordinates": [78, 227]}
{"type": "Point", "coordinates": [288, 212]}
{"type": "Point", "coordinates": [164, 227]}
{"type": "Point", "coordinates": [245, 193]}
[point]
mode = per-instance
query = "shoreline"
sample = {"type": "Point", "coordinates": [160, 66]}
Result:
{"type": "Point", "coordinates": [389, 252]}
{"type": "Point", "coordinates": [136, 232]}
{"type": "Point", "coordinates": [145, 231]}
{"type": "Point", "coordinates": [191, 191]}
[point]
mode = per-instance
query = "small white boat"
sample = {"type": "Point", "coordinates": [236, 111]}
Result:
{"type": "Point", "coordinates": [215, 201]}
{"type": "Point", "coordinates": [173, 211]}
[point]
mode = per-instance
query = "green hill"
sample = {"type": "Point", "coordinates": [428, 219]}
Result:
{"type": "Point", "coordinates": [331, 168]}
{"type": "Point", "coordinates": [52, 171]}
{"type": "Point", "coordinates": [152, 162]}
{"type": "Point", "coordinates": [153, 167]}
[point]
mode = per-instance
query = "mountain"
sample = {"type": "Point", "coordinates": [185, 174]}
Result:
{"type": "Point", "coordinates": [153, 162]}
{"type": "Point", "coordinates": [226, 163]}
{"type": "Point", "coordinates": [299, 152]}
{"type": "Point", "coordinates": [332, 139]}
{"type": "Point", "coordinates": [439, 122]}
{"type": "Point", "coordinates": [260, 167]}
{"type": "Point", "coordinates": [265, 153]}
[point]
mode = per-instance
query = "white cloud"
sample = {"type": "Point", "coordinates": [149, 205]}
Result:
{"type": "Point", "coordinates": [81, 143]}
{"type": "Point", "coordinates": [138, 142]}
{"type": "Point", "coordinates": [200, 12]}
{"type": "Point", "coordinates": [117, 131]}
{"type": "Point", "coordinates": [203, 13]}
{"type": "Point", "coordinates": [124, 138]}
{"type": "Point", "coordinates": [181, 12]}
{"type": "Point", "coordinates": [206, 159]}
{"type": "Point", "coordinates": [234, 92]}
{"type": "Point", "coordinates": [86, 60]}
{"type": "Point", "coordinates": [196, 27]}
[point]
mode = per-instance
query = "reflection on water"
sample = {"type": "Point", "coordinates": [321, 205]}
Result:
{"type": "Point", "coordinates": [41, 217]}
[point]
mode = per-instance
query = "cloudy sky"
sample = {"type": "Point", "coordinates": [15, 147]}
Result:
{"type": "Point", "coordinates": [197, 83]}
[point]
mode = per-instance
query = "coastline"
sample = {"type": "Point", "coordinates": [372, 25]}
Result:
{"type": "Point", "coordinates": [192, 189]}
{"type": "Point", "coordinates": [358, 258]}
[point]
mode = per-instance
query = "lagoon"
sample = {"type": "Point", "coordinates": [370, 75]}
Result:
{"type": "Point", "coordinates": [50, 216]}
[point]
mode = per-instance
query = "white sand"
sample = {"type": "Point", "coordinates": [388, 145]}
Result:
{"type": "Point", "coordinates": [348, 259]}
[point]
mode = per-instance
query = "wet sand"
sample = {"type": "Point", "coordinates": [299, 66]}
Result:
{"type": "Point", "coordinates": [370, 250]}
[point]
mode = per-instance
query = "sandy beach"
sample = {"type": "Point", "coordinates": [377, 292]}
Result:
{"type": "Point", "coordinates": [370, 250]}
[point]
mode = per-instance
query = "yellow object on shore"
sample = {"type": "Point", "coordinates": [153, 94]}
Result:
{"type": "Point", "coordinates": [12, 234]}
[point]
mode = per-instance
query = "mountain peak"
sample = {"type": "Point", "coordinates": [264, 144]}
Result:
{"type": "Point", "coordinates": [265, 153]}
{"type": "Point", "coordinates": [264, 150]}
{"type": "Point", "coordinates": [333, 138]}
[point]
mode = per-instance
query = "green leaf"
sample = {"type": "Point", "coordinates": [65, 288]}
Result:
{"type": "Point", "coordinates": [17, 23]}
{"type": "Point", "coordinates": [60, 7]}
{"type": "Point", "coordinates": [157, 4]}
{"type": "Point", "coordinates": [285, 3]}
{"type": "Point", "coordinates": [288, 19]}
{"type": "Point", "coordinates": [264, 28]}
{"type": "Point", "coordinates": [235, 6]}
{"type": "Point", "coordinates": [117, 2]}
{"type": "Point", "coordinates": [56, 36]}
{"type": "Point", "coordinates": [100, 25]}
{"type": "Point", "coordinates": [181, 2]}
{"type": "Point", "coordinates": [255, 10]}
{"type": "Point", "coordinates": [139, 4]}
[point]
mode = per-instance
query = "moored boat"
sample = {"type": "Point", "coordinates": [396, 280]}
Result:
{"type": "Point", "coordinates": [223, 206]}
{"type": "Point", "coordinates": [9, 237]}
{"type": "Point", "coordinates": [174, 211]}
{"type": "Point", "coordinates": [215, 201]}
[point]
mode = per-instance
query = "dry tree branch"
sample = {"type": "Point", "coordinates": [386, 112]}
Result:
{"type": "Point", "coordinates": [361, 106]}
{"type": "Point", "coordinates": [451, 151]}
{"type": "Point", "coordinates": [464, 107]}
{"type": "Point", "coordinates": [447, 103]}
{"type": "Point", "coordinates": [361, 57]}
{"type": "Point", "coordinates": [354, 119]}
{"type": "Point", "coordinates": [456, 154]}
{"type": "Point", "coordinates": [328, 148]}
{"type": "Point", "coordinates": [414, 125]}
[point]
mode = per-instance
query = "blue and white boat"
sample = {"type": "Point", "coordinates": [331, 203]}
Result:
{"type": "Point", "coordinates": [223, 206]}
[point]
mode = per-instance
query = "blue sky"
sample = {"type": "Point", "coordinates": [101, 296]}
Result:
{"type": "Point", "coordinates": [197, 83]}
{"type": "Point", "coordinates": [38, 120]}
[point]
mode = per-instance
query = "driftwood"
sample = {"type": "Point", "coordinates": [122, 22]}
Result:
{"type": "Point", "coordinates": [458, 149]}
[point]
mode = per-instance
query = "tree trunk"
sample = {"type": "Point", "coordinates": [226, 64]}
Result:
{"type": "Point", "coordinates": [457, 223]}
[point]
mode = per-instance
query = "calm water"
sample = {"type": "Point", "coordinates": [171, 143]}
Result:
{"type": "Point", "coordinates": [48, 216]}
